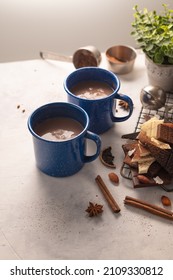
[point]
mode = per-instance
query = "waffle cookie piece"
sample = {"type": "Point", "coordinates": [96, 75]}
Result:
{"type": "Point", "coordinates": [165, 132]}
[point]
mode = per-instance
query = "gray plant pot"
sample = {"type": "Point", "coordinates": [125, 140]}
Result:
{"type": "Point", "coordinates": [159, 75]}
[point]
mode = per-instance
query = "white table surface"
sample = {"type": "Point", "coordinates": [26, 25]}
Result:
{"type": "Point", "coordinates": [42, 217]}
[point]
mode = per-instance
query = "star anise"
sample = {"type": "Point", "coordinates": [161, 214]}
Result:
{"type": "Point", "coordinates": [123, 104]}
{"type": "Point", "coordinates": [94, 209]}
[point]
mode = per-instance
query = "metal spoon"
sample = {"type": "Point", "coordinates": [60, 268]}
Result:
{"type": "Point", "coordinates": [153, 97]}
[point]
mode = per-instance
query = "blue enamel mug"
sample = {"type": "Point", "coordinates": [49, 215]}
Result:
{"type": "Point", "coordinates": [66, 156]}
{"type": "Point", "coordinates": [101, 111]}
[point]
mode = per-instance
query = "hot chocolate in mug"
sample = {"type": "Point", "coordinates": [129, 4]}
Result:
{"type": "Point", "coordinates": [96, 91]}
{"type": "Point", "coordinates": [60, 133]}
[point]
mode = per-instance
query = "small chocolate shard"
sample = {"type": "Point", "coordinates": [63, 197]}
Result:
{"type": "Point", "coordinates": [131, 136]}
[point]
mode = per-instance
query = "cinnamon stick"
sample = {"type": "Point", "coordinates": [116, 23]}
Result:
{"type": "Point", "coordinates": [108, 196]}
{"type": "Point", "coordinates": [154, 209]}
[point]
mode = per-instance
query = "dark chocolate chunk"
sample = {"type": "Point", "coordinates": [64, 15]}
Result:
{"type": "Point", "coordinates": [131, 136]}
{"type": "Point", "coordinates": [154, 169]}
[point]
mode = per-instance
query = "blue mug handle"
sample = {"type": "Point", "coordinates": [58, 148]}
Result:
{"type": "Point", "coordinates": [92, 136]}
{"type": "Point", "coordinates": [130, 103]}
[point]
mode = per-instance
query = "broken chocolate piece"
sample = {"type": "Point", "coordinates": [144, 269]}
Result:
{"type": "Point", "coordinates": [155, 170]}
{"type": "Point", "coordinates": [129, 149]}
{"type": "Point", "coordinates": [164, 177]}
{"type": "Point", "coordinates": [131, 136]}
{"type": "Point", "coordinates": [163, 156]}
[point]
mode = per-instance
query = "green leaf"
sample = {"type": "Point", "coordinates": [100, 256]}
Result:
{"type": "Point", "coordinates": [149, 47]}
{"type": "Point", "coordinates": [158, 58]}
{"type": "Point", "coordinates": [169, 52]}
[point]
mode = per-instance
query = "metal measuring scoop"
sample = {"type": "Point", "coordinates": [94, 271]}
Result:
{"type": "Point", "coordinates": [83, 57]}
{"type": "Point", "coordinates": [153, 97]}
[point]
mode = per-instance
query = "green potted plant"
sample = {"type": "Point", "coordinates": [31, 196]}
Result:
{"type": "Point", "coordinates": [154, 35]}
